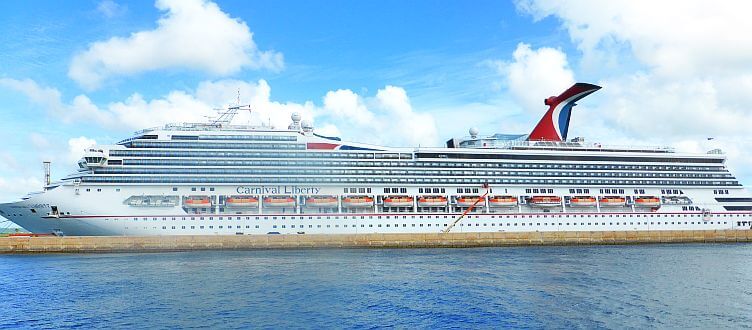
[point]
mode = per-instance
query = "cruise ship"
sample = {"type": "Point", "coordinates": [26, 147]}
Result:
{"type": "Point", "coordinates": [217, 178]}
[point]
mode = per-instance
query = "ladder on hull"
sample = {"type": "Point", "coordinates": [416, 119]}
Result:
{"type": "Point", "coordinates": [469, 209]}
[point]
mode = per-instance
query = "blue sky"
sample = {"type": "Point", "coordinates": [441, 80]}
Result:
{"type": "Point", "coordinates": [392, 72]}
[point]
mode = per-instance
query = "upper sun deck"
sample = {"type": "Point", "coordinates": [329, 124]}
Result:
{"type": "Point", "coordinates": [223, 123]}
{"type": "Point", "coordinates": [521, 142]}
{"type": "Point", "coordinates": [207, 127]}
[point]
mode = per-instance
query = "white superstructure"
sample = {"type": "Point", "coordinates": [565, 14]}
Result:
{"type": "Point", "coordinates": [217, 178]}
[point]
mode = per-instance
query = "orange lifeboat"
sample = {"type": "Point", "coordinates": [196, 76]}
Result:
{"type": "Point", "coordinates": [545, 201]}
{"type": "Point", "coordinates": [398, 201]}
{"type": "Point", "coordinates": [432, 201]}
{"type": "Point", "coordinates": [612, 201]}
{"type": "Point", "coordinates": [279, 201]}
{"type": "Point", "coordinates": [197, 201]}
{"type": "Point", "coordinates": [467, 201]}
{"type": "Point", "coordinates": [502, 201]}
{"type": "Point", "coordinates": [647, 201]}
{"type": "Point", "coordinates": [357, 201]}
{"type": "Point", "coordinates": [322, 201]}
{"type": "Point", "coordinates": [582, 201]}
{"type": "Point", "coordinates": [241, 201]}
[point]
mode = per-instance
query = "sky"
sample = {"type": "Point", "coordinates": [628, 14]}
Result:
{"type": "Point", "coordinates": [398, 73]}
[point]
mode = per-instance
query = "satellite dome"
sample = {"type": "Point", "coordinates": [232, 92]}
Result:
{"type": "Point", "coordinates": [474, 132]}
{"type": "Point", "coordinates": [295, 117]}
{"type": "Point", "coordinates": [306, 126]}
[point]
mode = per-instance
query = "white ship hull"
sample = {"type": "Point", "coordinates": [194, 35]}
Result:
{"type": "Point", "coordinates": [109, 216]}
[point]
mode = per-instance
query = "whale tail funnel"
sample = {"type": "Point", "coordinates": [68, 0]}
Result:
{"type": "Point", "coordinates": [555, 123]}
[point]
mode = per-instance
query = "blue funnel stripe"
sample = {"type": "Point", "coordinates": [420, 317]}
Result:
{"type": "Point", "coordinates": [564, 117]}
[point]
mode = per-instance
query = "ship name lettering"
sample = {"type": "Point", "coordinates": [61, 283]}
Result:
{"type": "Point", "coordinates": [277, 190]}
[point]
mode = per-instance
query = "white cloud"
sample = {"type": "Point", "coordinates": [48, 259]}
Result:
{"type": "Point", "coordinates": [80, 109]}
{"type": "Point", "coordinates": [12, 188]}
{"type": "Point", "coordinates": [328, 130]}
{"type": "Point", "coordinates": [694, 81]}
{"type": "Point", "coordinates": [110, 9]}
{"type": "Point", "coordinates": [49, 97]}
{"type": "Point", "coordinates": [693, 77]}
{"type": "Point", "coordinates": [192, 34]}
{"type": "Point", "coordinates": [175, 107]}
{"type": "Point", "coordinates": [387, 118]}
{"type": "Point", "coordinates": [8, 162]}
{"type": "Point", "coordinates": [135, 112]}
{"type": "Point", "coordinates": [39, 141]}
{"type": "Point", "coordinates": [644, 106]}
{"type": "Point", "coordinates": [345, 103]}
{"type": "Point", "coordinates": [535, 74]}
{"type": "Point", "coordinates": [676, 39]}
{"type": "Point", "coordinates": [77, 147]}
{"type": "Point", "coordinates": [401, 122]}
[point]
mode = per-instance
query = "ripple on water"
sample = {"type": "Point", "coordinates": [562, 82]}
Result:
{"type": "Point", "coordinates": [693, 285]}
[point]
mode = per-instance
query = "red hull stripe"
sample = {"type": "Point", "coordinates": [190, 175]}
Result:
{"type": "Point", "coordinates": [322, 146]}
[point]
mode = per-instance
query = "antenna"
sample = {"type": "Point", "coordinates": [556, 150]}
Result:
{"type": "Point", "coordinates": [46, 172]}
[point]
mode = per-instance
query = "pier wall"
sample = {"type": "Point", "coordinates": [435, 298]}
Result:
{"type": "Point", "coordinates": [77, 244]}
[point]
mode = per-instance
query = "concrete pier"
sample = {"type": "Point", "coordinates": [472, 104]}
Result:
{"type": "Point", "coordinates": [79, 244]}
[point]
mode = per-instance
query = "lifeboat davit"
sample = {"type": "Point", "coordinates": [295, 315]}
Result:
{"type": "Point", "coordinates": [197, 201]}
{"type": "Point", "coordinates": [242, 201]}
{"type": "Point", "coordinates": [647, 201]}
{"type": "Point", "coordinates": [357, 202]}
{"type": "Point", "coordinates": [612, 201]}
{"type": "Point", "coordinates": [582, 201]}
{"type": "Point", "coordinates": [502, 201]}
{"type": "Point", "coordinates": [279, 201]}
{"type": "Point", "coordinates": [432, 201]}
{"type": "Point", "coordinates": [322, 201]}
{"type": "Point", "coordinates": [467, 201]}
{"type": "Point", "coordinates": [398, 201]}
{"type": "Point", "coordinates": [545, 201]}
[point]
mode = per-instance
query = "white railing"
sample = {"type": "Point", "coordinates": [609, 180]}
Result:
{"type": "Point", "coordinates": [548, 145]}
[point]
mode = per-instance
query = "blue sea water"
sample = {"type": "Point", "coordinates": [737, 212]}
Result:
{"type": "Point", "coordinates": [664, 286]}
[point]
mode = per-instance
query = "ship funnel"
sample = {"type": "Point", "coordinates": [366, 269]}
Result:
{"type": "Point", "coordinates": [555, 123]}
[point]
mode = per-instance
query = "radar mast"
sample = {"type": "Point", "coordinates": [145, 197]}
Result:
{"type": "Point", "coordinates": [226, 115]}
